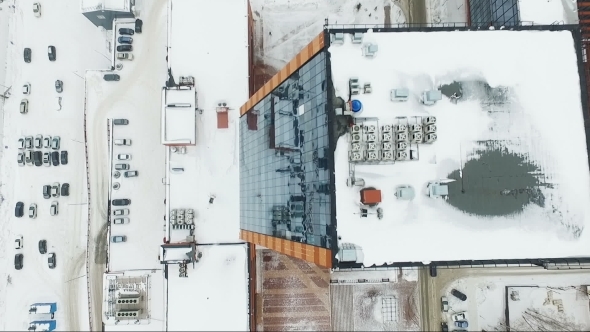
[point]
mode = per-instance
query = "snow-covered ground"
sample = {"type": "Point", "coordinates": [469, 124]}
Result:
{"type": "Point", "coordinates": [214, 295]}
{"type": "Point", "coordinates": [486, 300]}
{"type": "Point", "coordinates": [446, 11]}
{"type": "Point", "coordinates": [525, 125]}
{"type": "Point", "coordinates": [548, 11]}
{"type": "Point", "coordinates": [80, 45]}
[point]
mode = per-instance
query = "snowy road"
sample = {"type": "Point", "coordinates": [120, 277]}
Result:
{"type": "Point", "coordinates": [61, 25]}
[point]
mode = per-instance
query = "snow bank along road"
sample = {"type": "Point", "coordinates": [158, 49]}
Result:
{"type": "Point", "coordinates": [135, 97]}
{"type": "Point", "coordinates": [79, 46]}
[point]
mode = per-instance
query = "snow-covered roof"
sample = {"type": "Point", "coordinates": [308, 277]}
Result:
{"type": "Point", "coordinates": [114, 5]}
{"type": "Point", "coordinates": [179, 117]}
{"type": "Point", "coordinates": [511, 151]}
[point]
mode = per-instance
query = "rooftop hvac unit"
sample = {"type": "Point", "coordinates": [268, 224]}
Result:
{"type": "Point", "coordinates": [401, 137]}
{"type": "Point", "coordinates": [429, 120]}
{"type": "Point", "coordinates": [372, 146]}
{"type": "Point", "coordinates": [173, 221]}
{"type": "Point", "coordinates": [129, 294]}
{"type": "Point", "coordinates": [180, 212]}
{"type": "Point", "coordinates": [173, 212]}
{"type": "Point", "coordinates": [180, 221]}
{"type": "Point", "coordinates": [353, 84]}
{"type": "Point", "coordinates": [388, 155]}
{"type": "Point", "coordinates": [128, 301]}
{"type": "Point", "coordinates": [190, 211]}
{"type": "Point", "coordinates": [128, 313]}
{"type": "Point", "coordinates": [373, 155]}
{"type": "Point", "coordinates": [355, 129]}
{"type": "Point", "coordinates": [370, 128]}
{"type": "Point", "coordinates": [400, 94]}
{"type": "Point", "coordinates": [401, 155]}
{"type": "Point", "coordinates": [416, 137]}
{"type": "Point", "coordinates": [355, 156]}
{"type": "Point", "coordinates": [371, 138]}
{"type": "Point", "coordinates": [189, 221]}
{"type": "Point", "coordinates": [387, 146]}
{"type": "Point", "coordinates": [401, 145]}
{"type": "Point", "coordinates": [430, 128]}
{"type": "Point", "coordinates": [355, 147]}
{"type": "Point", "coordinates": [416, 127]}
{"type": "Point", "coordinates": [401, 128]}
{"type": "Point", "coordinates": [429, 138]}
{"type": "Point", "coordinates": [355, 138]}
{"type": "Point", "coordinates": [386, 128]}
{"type": "Point", "coordinates": [387, 137]}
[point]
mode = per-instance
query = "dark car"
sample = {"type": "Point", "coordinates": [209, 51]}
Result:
{"type": "Point", "coordinates": [125, 40]}
{"type": "Point", "coordinates": [51, 53]}
{"type": "Point", "coordinates": [27, 55]}
{"type": "Point", "coordinates": [124, 48]}
{"type": "Point", "coordinates": [46, 191]}
{"type": "Point", "coordinates": [121, 202]}
{"type": "Point", "coordinates": [138, 26]}
{"type": "Point", "coordinates": [55, 158]}
{"type": "Point", "coordinates": [38, 158]}
{"type": "Point", "coordinates": [444, 327]}
{"type": "Point", "coordinates": [126, 31]}
{"type": "Point", "coordinates": [65, 189]}
{"type": "Point", "coordinates": [51, 260]}
{"type": "Point", "coordinates": [111, 77]}
{"type": "Point", "coordinates": [459, 295]}
{"type": "Point", "coordinates": [59, 86]}
{"type": "Point", "coordinates": [120, 122]}
{"type": "Point", "coordinates": [19, 209]}
{"type": "Point", "coordinates": [18, 261]}
{"type": "Point", "coordinates": [64, 157]}
{"type": "Point", "coordinates": [131, 174]}
{"type": "Point", "coordinates": [42, 246]}
{"type": "Point", "coordinates": [433, 272]}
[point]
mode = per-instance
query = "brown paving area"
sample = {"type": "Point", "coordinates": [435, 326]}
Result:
{"type": "Point", "coordinates": [295, 294]}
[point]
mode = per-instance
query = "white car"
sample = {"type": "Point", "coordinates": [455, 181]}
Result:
{"type": "Point", "coordinates": [124, 157]}
{"type": "Point", "coordinates": [55, 142]}
{"type": "Point", "coordinates": [18, 242]}
{"type": "Point", "coordinates": [54, 208]}
{"type": "Point", "coordinates": [21, 143]}
{"type": "Point", "coordinates": [55, 189]}
{"type": "Point", "coordinates": [29, 157]}
{"type": "Point", "coordinates": [121, 221]}
{"type": "Point", "coordinates": [460, 316]}
{"type": "Point", "coordinates": [37, 9]}
{"type": "Point", "coordinates": [21, 159]}
{"type": "Point", "coordinates": [33, 211]}
{"type": "Point", "coordinates": [124, 56]}
{"type": "Point", "coordinates": [29, 142]}
{"type": "Point", "coordinates": [38, 141]}
{"type": "Point", "coordinates": [46, 159]}
{"type": "Point", "coordinates": [26, 88]}
{"type": "Point", "coordinates": [47, 142]}
{"type": "Point", "coordinates": [121, 212]}
{"type": "Point", "coordinates": [445, 304]}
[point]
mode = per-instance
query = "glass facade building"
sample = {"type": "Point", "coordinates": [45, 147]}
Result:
{"type": "Point", "coordinates": [488, 12]}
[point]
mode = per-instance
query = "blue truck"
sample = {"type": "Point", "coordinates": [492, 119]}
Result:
{"type": "Point", "coordinates": [42, 325]}
{"type": "Point", "coordinates": [48, 309]}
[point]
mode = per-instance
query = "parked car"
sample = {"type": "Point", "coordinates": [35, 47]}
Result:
{"type": "Point", "coordinates": [54, 208]}
{"type": "Point", "coordinates": [38, 141]}
{"type": "Point", "coordinates": [433, 272]}
{"type": "Point", "coordinates": [24, 106]}
{"type": "Point", "coordinates": [131, 174]}
{"type": "Point", "coordinates": [126, 31]}
{"type": "Point", "coordinates": [124, 56]}
{"type": "Point", "coordinates": [459, 316]}
{"type": "Point", "coordinates": [459, 295]}
{"type": "Point", "coordinates": [19, 209]}
{"type": "Point", "coordinates": [46, 191]}
{"type": "Point", "coordinates": [51, 53]}
{"type": "Point", "coordinates": [125, 40]}
{"type": "Point", "coordinates": [122, 142]}
{"type": "Point", "coordinates": [59, 86]}
{"type": "Point", "coordinates": [27, 55]}
{"type": "Point", "coordinates": [47, 142]}
{"type": "Point", "coordinates": [21, 143]}
{"type": "Point", "coordinates": [37, 9]}
{"type": "Point", "coordinates": [138, 26]}
{"type": "Point", "coordinates": [18, 242]}
{"type": "Point", "coordinates": [121, 221]}
{"type": "Point", "coordinates": [118, 238]}
{"type": "Point", "coordinates": [21, 159]}
{"type": "Point", "coordinates": [51, 260]}
{"type": "Point", "coordinates": [111, 77]}
{"type": "Point", "coordinates": [55, 142]}
{"type": "Point", "coordinates": [46, 159]}
{"type": "Point", "coordinates": [18, 261]}
{"type": "Point", "coordinates": [444, 327]}
{"type": "Point", "coordinates": [120, 122]}
{"type": "Point", "coordinates": [120, 212]}
{"type": "Point", "coordinates": [462, 324]}
{"type": "Point", "coordinates": [26, 88]}
{"type": "Point", "coordinates": [65, 189]}
{"type": "Point", "coordinates": [121, 167]}
{"type": "Point", "coordinates": [38, 158]}
{"type": "Point", "coordinates": [64, 157]}
{"type": "Point", "coordinates": [122, 156]}
{"type": "Point", "coordinates": [33, 211]}
{"type": "Point", "coordinates": [445, 304]}
{"type": "Point", "coordinates": [29, 142]}
{"type": "Point", "coordinates": [125, 48]}
{"type": "Point", "coordinates": [121, 202]}
{"type": "Point", "coordinates": [29, 157]}
{"type": "Point", "coordinates": [55, 189]}
{"type": "Point", "coordinates": [55, 158]}
{"type": "Point", "coordinates": [42, 247]}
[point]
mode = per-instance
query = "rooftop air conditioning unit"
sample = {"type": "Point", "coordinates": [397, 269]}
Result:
{"type": "Point", "coordinates": [173, 220]}
{"type": "Point", "coordinates": [371, 138]}
{"type": "Point", "coordinates": [401, 155]}
{"type": "Point", "coordinates": [173, 212]}
{"type": "Point", "coordinates": [353, 84]}
{"type": "Point", "coordinates": [429, 120]}
{"type": "Point", "coordinates": [373, 155]}
{"type": "Point", "coordinates": [355, 129]}
{"type": "Point", "coordinates": [370, 128]}
{"type": "Point", "coordinates": [430, 138]}
{"type": "Point", "coordinates": [181, 212]}
{"type": "Point", "coordinates": [355, 146]}
{"type": "Point", "coordinates": [355, 156]}
{"type": "Point", "coordinates": [180, 221]}
{"type": "Point", "coordinates": [388, 155]}
{"type": "Point", "coordinates": [401, 137]}
{"type": "Point", "coordinates": [387, 137]}
{"type": "Point", "coordinates": [128, 314]}
{"type": "Point", "coordinates": [386, 128]}
{"type": "Point", "coordinates": [417, 137]}
{"type": "Point", "coordinates": [128, 301]}
{"type": "Point", "coordinates": [372, 146]}
{"type": "Point", "coordinates": [189, 221]}
{"type": "Point", "coordinates": [416, 127]}
{"type": "Point", "coordinates": [190, 211]}
{"type": "Point", "coordinates": [355, 138]}
{"type": "Point", "coordinates": [387, 146]}
{"type": "Point", "coordinates": [430, 128]}
{"type": "Point", "coordinates": [401, 128]}
{"type": "Point", "coordinates": [402, 145]}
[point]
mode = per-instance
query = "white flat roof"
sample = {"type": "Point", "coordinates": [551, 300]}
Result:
{"type": "Point", "coordinates": [214, 296]}
{"type": "Point", "coordinates": [179, 116]}
{"type": "Point", "coordinates": [518, 167]}
{"type": "Point", "coordinates": [116, 5]}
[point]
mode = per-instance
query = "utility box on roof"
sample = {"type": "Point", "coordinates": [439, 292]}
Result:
{"type": "Point", "coordinates": [370, 196]}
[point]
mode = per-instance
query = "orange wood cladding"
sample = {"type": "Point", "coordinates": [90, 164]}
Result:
{"type": "Point", "coordinates": [316, 45]}
{"type": "Point", "coordinates": [319, 256]}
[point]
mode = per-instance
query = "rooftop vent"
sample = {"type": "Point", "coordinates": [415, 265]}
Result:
{"type": "Point", "coordinates": [338, 38]}
{"type": "Point", "coordinates": [355, 138]}
{"type": "Point", "coordinates": [386, 128]}
{"type": "Point", "coordinates": [430, 128]}
{"type": "Point", "coordinates": [369, 50]}
{"type": "Point", "coordinates": [373, 155]}
{"type": "Point", "coordinates": [416, 127]}
{"type": "Point", "coordinates": [430, 138]}
{"type": "Point", "coordinates": [402, 145]}
{"type": "Point", "coordinates": [387, 137]}
{"type": "Point", "coordinates": [388, 155]}
{"type": "Point", "coordinates": [357, 38]}
{"type": "Point", "coordinates": [371, 146]}
{"type": "Point", "coordinates": [355, 129]}
{"type": "Point", "coordinates": [401, 137]}
{"type": "Point", "coordinates": [417, 137]}
{"type": "Point", "coordinates": [401, 155]}
{"type": "Point", "coordinates": [355, 147]}
{"type": "Point", "coordinates": [355, 156]}
{"type": "Point", "coordinates": [401, 128]}
{"type": "Point", "coordinates": [370, 128]}
{"type": "Point", "coordinates": [431, 97]}
{"type": "Point", "coordinates": [429, 120]}
{"type": "Point", "coordinates": [387, 146]}
{"type": "Point", "coordinates": [353, 84]}
{"type": "Point", "coordinates": [400, 94]}
{"type": "Point", "coordinates": [371, 138]}
{"type": "Point", "coordinates": [128, 313]}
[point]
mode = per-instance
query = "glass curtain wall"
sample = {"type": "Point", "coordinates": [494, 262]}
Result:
{"type": "Point", "coordinates": [487, 12]}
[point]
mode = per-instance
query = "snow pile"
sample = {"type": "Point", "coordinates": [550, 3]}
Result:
{"type": "Point", "coordinates": [548, 11]}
